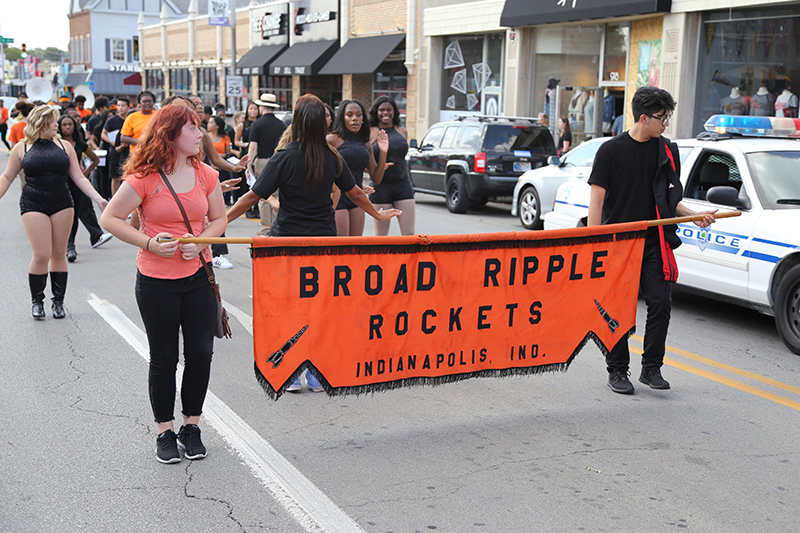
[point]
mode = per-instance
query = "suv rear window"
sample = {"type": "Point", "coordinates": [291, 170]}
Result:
{"type": "Point", "coordinates": [507, 138]}
{"type": "Point", "coordinates": [470, 138]}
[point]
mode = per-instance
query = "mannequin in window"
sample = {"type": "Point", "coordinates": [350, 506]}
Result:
{"type": "Point", "coordinates": [786, 104]}
{"type": "Point", "coordinates": [734, 104]}
{"type": "Point", "coordinates": [762, 103]}
{"type": "Point", "coordinates": [609, 111]}
{"type": "Point", "coordinates": [588, 114]}
{"type": "Point", "coordinates": [576, 106]}
{"type": "Point", "coordinates": [550, 97]}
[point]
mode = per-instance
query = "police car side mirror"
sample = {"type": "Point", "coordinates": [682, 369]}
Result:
{"type": "Point", "coordinates": [412, 143]}
{"type": "Point", "coordinates": [554, 160]}
{"type": "Point", "coordinates": [724, 195]}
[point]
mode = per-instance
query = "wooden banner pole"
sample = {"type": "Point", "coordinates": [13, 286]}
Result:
{"type": "Point", "coordinates": [693, 218]}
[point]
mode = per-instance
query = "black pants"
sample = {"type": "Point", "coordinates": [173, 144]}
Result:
{"type": "Point", "coordinates": [657, 294]}
{"type": "Point", "coordinates": [84, 211]}
{"type": "Point", "coordinates": [3, 131]}
{"type": "Point", "coordinates": [168, 305]}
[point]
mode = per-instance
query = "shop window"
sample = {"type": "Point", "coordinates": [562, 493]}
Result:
{"type": "Point", "coordinates": [118, 50]}
{"type": "Point", "coordinates": [154, 82]}
{"type": "Point", "coordinates": [180, 81]}
{"type": "Point", "coordinates": [281, 87]}
{"type": "Point", "coordinates": [208, 85]}
{"type": "Point", "coordinates": [615, 56]}
{"type": "Point", "coordinates": [472, 64]}
{"type": "Point", "coordinates": [391, 79]}
{"type": "Point", "coordinates": [748, 59]}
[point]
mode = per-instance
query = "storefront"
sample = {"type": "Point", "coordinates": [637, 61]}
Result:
{"type": "Point", "coordinates": [748, 63]}
{"type": "Point", "coordinates": [269, 37]}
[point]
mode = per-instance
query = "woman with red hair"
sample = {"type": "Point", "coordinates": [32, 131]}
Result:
{"type": "Point", "coordinates": [172, 289]}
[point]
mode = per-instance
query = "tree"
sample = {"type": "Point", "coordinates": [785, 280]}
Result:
{"type": "Point", "coordinates": [13, 54]}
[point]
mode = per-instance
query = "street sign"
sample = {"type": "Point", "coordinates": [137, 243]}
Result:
{"type": "Point", "coordinates": [234, 86]}
{"type": "Point", "coordinates": [6, 40]}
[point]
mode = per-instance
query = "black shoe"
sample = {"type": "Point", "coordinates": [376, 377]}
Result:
{"type": "Point", "coordinates": [37, 283]}
{"type": "Point", "coordinates": [72, 254]}
{"type": "Point", "coordinates": [37, 310]}
{"type": "Point", "coordinates": [189, 442]}
{"type": "Point", "coordinates": [654, 379]}
{"type": "Point", "coordinates": [167, 448]}
{"type": "Point", "coordinates": [58, 282]}
{"type": "Point", "coordinates": [619, 382]}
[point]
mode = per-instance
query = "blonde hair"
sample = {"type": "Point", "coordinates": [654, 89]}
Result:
{"type": "Point", "coordinates": [285, 139]}
{"type": "Point", "coordinates": [38, 119]}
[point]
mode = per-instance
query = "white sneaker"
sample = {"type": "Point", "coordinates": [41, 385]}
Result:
{"type": "Point", "coordinates": [222, 262]}
{"type": "Point", "coordinates": [104, 238]}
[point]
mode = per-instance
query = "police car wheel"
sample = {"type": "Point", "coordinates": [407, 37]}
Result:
{"type": "Point", "coordinates": [529, 209]}
{"type": "Point", "coordinates": [787, 309]}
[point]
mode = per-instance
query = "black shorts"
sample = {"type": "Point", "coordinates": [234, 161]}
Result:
{"type": "Point", "coordinates": [47, 201]}
{"type": "Point", "coordinates": [389, 193]}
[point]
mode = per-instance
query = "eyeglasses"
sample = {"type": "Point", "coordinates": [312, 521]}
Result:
{"type": "Point", "coordinates": [146, 101]}
{"type": "Point", "coordinates": [664, 120]}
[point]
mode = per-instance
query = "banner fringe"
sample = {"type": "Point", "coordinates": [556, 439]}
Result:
{"type": "Point", "coordinates": [372, 388]}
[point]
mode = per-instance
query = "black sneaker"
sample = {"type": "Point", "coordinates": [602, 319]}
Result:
{"type": "Point", "coordinates": [619, 382]}
{"type": "Point", "coordinates": [189, 442]}
{"type": "Point", "coordinates": [654, 379]}
{"type": "Point", "coordinates": [167, 448]}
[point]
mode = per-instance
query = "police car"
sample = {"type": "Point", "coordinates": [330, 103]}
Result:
{"type": "Point", "coordinates": [750, 164]}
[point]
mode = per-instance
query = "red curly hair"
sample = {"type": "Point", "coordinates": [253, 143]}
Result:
{"type": "Point", "coordinates": [156, 148]}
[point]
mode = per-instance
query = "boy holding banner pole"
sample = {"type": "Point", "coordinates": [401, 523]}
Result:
{"type": "Point", "coordinates": [636, 176]}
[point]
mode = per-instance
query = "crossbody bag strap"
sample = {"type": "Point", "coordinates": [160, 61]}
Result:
{"type": "Point", "coordinates": [211, 279]}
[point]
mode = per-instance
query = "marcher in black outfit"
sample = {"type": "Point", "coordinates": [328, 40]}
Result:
{"type": "Point", "coordinates": [264, 136]}
{"type": "Point", "coordinates": [636, 176]}
{"type": "Point", "coordinates": [117, 152]}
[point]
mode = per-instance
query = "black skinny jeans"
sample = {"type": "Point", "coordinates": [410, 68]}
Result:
{"type": "Point", "coordinates": [657, 294]}
{"type": "Point", "coordinates": [166, 305]}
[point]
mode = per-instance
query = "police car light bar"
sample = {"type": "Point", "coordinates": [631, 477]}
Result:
{"type": "Point", "coordinates": [754, 126]}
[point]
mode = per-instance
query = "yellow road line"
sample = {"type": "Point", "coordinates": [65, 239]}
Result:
{"type": "Point", "coordinates": [725, 380]}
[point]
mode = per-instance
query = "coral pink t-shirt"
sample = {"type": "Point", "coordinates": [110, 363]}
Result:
{"type": "Point", "coordinates": [158, 213]}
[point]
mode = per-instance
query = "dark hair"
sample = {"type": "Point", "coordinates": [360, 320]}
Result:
{"type": "Point", "coordinates": [24, 107]}
{"type": "Point", "coordinates": [67, 108]}
{"type": "Point", "coordinates": [123, 99]}
{"type": "Point", "coordinates": [331, 112]}
{"type": "Point", "coordinates": [76, 136]}
{"type": "Point", "coordinates": [145, 93]}
{"type": "Point", "coordinates": [220, 124]}
{"type": "Point", "coordinates": [373, 112]}
{"type": "Point", "coordinates": [79, 98]}
{"type": "Point", "coordinates": [207, 110]}
{"type": "Point", "coordinates": [566, 124]}
{"type": "Point", "coordinates": [650, 100]}
{"type": "Point", "coordinates": [169, 99]}
{"type": "Point", "coordinates": [22, 94]}
{"type": "Point", "coordinates": [309, 129]}
{"type": "Point", "coordinates": [100, 101]}
{"type": "Point", "coordinates": [340, 128]}
{"type": "Point", "coordinates": [218, 106]}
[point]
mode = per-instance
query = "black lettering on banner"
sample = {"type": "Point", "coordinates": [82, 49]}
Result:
{"type": "Point", "coordinates": [342, 276]}
{"type": "Point", "coordinates": [482, 318]}
{"type": "Point", "coordinates": [309, 282]}
{"type": "Point", "coordinates": [427, 362]}
{"type": "Point", "coordinates": [368, 287]}
{"type": "Point", "coordinates": [573, 276]}
{"type": "Point", "coordinates": [512, 273]}
{"type": "Point", "coordinates": [529, 266]}
{"type": "Point", "coordinates": [483, 355]}
{"type": "Point", "coordinates": [401, 329]}
{"type": "Point", "coordinates": [430, 268]}
{"type": "Point", "coordinates": [425, 327]}
{"type": "Point", "coordinates": [412, 362]}
{"type": "Point", "coordinates": [439, 359]}
{"type": "Point", "coordinates": [597, 264]}
{"type": "Point", "coordinates": [511, 308]}
{"type": "Point", "coordinates": [455, 318]}
{"type": "Point", "coordinates": [400, 364]}
{"type": "Point", "coordinates": [381, 366]}
{"type": "Point", "coordinates": [491, 269]}
{"type": "Point", "coordinates": [451, 359]}
{"type": "Point", "coordinates": [536, 314]}
{"type": "Point", "coordinates": [375, 323]}
{"type": "Point", "coordinates": [556, 264]}
{"type": "Point", "coordinates": [402, 280]}
{"type": "Point", "coordinates": [367, 368]}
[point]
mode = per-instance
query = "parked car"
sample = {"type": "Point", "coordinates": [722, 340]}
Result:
{"type": "Point", "coordinates": [754, 259]}
{"type": "Point", "coordinates": [536, 189]}
{"type": "Point", "coordinates": [474, 159]}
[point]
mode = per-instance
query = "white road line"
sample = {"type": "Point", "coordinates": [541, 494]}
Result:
{"type": "Point", "coordinates": [312, 509]}
{"type": "Point", "coordinates": [244, 319]}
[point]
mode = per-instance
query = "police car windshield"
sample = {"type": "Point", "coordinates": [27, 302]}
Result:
{"type": "Point", "coordinates": [776, 179]}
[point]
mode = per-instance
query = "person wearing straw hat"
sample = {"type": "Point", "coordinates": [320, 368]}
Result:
{"type": "Point", "coordinates": [264, 136]}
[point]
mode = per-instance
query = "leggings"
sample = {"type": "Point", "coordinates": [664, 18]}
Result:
{"type": "Point", "coordinates": [3, 131]}
{"type": "Point", "coordinates": [167, 305]}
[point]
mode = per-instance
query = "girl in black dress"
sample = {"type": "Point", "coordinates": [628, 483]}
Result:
{"type": "Point", "coordinates": [46, 203]}
{"type": "Point", "coordinates": [350, 136]}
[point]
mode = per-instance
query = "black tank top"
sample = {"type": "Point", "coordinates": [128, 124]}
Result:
{"type": "Point", "coordinates": [398, 148]}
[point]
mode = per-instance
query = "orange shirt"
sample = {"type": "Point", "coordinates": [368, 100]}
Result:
{"type": "Point", "coordinates": [221, 145]}
{"type": "Point", "coordinates": [15, 134]}
{"type": "Point", "coordinates": [84, 113]}
{"type": "Point", "coordinates": [134, 125]}
{"type": "Point", "coordinates": [3, 115]}
{"type": "Point", "coordinates": [159, 213]}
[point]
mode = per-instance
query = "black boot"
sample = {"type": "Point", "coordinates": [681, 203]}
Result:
{"type": "Point", "coordinates": [37, 283]}
{"type": "Point", "coordinates": [58, 280]}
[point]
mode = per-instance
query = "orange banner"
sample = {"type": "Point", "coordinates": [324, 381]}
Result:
{"type": "Point", "coordinates": [374, 313]}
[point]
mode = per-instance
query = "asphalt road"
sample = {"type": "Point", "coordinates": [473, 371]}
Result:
{"type": "Point", "coordinates": [554, 452]}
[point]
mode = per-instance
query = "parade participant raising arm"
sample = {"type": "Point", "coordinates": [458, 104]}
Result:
{"type": "Point", "coordinates": [636, 176]}
{"type": "Point", "coordinates": [46, 204]}
{"type": "Point", "coordinates": [172, 289]}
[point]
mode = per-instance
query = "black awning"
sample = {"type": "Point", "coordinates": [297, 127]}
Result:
{"type": "Point", "coordinates": [304, 59]}
{"type": "Point", "coordinates": [75, 78]}
{"type": "Point", "coordinates": [533, 12]}
{"type": "Point", "coordinates": [362, 56]}
{"type": "Point", "coordinates": [255, 61]}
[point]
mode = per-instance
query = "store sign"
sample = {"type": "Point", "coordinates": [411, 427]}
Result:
{"type": "Point", "coordinates": [271, 25]}
{"type": "Point", "coordinates": [314, 20]}
{"type": "Point", "coordinates": [123, 67]}
{"type": "Point", "coordinates": [517, 13]}
{"type": "Point", "coordinates": [301, 18]}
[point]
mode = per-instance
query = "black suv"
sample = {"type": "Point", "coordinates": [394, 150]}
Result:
{"type": "Point", "coordinates": [473, 159]}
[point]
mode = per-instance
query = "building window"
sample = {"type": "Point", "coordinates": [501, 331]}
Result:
{"type": "Point", "coordinates": [118, 50]}
{"type": "Point", "coordinates": [135, 48]}
{"type": "Point", "coordinates": [208, 85]}
{"type": "Point", "coordinates": [154, 82]}
{"type": "Point", "coordinates": [180, 82]}
{"type": "Point", "coordinates": [391, 79]}
{"type": "Point", "coordinates": [472, 64]}
{"type": "Point", "coordinates": [281, 87]}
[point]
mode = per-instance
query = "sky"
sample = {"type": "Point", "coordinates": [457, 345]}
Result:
{"type": "Point", "coordinates": [37, 23]}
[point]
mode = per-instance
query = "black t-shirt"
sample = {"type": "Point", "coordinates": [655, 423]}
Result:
{"type": "Point", "coordinates": [305, 210]}
{"type": "Point", "coordinates": [566, 136]}
{"type": "Point", "coordinates": [626, 169]}
{"type": "Point", "coordinates": [266, 131]}
{"type": "Point", "coordinates": [114, 123]}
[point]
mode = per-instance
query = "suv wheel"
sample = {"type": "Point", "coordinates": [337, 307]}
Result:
{"type": "Point", "coordinates": [457, 198]}
{"type": "Point", "coordinates": [529, 209]}
{"type": "Point", "coordinates": [787, 309]}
